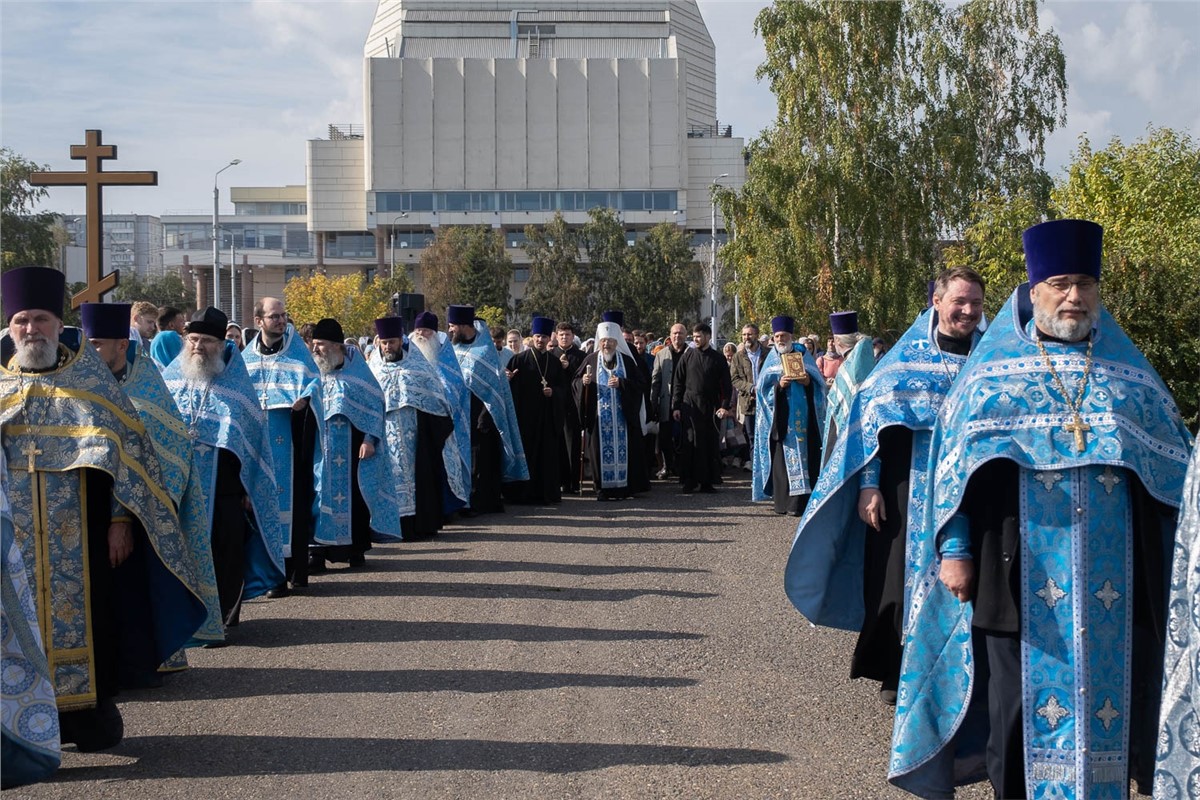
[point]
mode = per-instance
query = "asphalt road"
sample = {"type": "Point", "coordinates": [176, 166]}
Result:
{"type": "Point", "coordinates": [640, 649]}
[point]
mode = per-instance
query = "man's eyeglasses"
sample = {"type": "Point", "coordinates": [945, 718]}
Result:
{"type": "Point", "coordinates": [1063, 285]}
{"type": "Point", "coordinates": [273, 317]}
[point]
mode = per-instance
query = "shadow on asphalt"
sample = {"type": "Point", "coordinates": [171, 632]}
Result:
{"type": "Point", "coordinates": [500, 591]}
{"type": "Point", "coordinates": [292, 633]}
{"type": "Point", "coordinates": [216, 683]}
{"type": "Point", "coordinates": [474, 565]}
{"type": "Point", "coordinates": [550, 538]}
{"type": "Point", "coordinates": [214, 756]}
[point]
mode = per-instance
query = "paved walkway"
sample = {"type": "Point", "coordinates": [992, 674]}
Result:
{"type": "Point", "coordinates": [641, 649]}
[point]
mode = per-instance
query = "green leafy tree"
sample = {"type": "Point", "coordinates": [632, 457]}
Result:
{"type": "Point", "coordinates": [558, 285]}
{"type": "Point", "coordinates": [894, 120]}
{"type": "Point", "coordinates": [466, 264]}
{"type": "Point", "coordinates": [1146, 195]}
{"type": "Point", "coordinates": [26, 236]}
{"type": "Point", "coordinates": [661, 281]}
{"type": "Point", "coordinates": [605, 272]}
{"type": "Point", "coordinates": [165, 290]}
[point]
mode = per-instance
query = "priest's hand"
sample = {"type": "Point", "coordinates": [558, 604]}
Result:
{"type": "Point", "coordinates": [804, 379]}
{"type": "Point", "coordinates": [566, 362]}
{"type": "Point", "coordinates": [722, 413]}
{"type": "Point", "coordinates": [300, 404]}
{"type": "Point", "coordinates": [959, 577]}
{"type": "Point", "coordinates": [120, 543]}
{"type": "Point", "coordinates": [587, 377]}
{"type": "Point", "coordinates": [366, 450]}
{"type": "Point", "coordinates": [614, 382]}
{"type": "Point", "coordinates": [784, 381]}
{"type": "Point", "coordinates": [676, 415]}
{"type": "Point", "coordinates": [547, 391]}
{"type": "Point", "coordinates": [870, 507]}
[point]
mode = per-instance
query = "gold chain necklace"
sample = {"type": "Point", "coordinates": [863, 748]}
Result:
{"type": "Point", "coordinates": [541, 371]}
{"type": "Point", "coordinates": [1077, 426]}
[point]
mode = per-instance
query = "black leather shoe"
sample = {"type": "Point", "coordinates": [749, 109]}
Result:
{"type": "Point", "coordinates": [317, 567]}
{"type": "Point", "coordinates": [300, 583]}
{"type": "Point", "coordinates": [358, 561]}
{"type": "Point", "coordinates": [279, 591]}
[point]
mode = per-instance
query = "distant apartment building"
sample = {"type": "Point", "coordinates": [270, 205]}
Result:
{"type": "Point", "coordinates": [131, 243]}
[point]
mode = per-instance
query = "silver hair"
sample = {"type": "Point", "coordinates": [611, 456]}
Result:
{"type": "Point", "coordinates": [37, 353]}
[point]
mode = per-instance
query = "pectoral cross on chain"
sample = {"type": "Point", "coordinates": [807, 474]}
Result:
{"type": "Point", "coordinates": [544, 384]}
{"type": "Point", "coordinates": [31, 452]}
{"type": "Point", "coordinates": [1079, 428]}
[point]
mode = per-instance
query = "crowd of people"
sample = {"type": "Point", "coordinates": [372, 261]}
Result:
{"type": "Point", "coordinates": [992, 510]}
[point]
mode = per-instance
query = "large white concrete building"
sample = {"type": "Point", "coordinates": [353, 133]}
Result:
{"type": "Point", "coordinates": [504, 113]}
{"type": "Point", "coordinates": [493, 113]}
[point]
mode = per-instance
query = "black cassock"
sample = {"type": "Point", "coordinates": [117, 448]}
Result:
{"type": "Point", "coordinates": [700, 385]}
{"type": "Point", "coordinates": [633, 390]}
{"type": "Point", "coordinates": [540, 419]}
{"type": "Point", "coordinates": [429, 471]}
{"type": "Point", "coordinates": [569, 459]}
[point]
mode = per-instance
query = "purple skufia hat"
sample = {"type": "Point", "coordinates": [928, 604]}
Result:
{"type": "Point", "coordinates": [613, 316]}
{"type": "Point", "coordinates": [542, 326]}
{"type": "Point", "coordinates": [329, 330]}
{"type": "Point", "coordinates": [842, 322]}
{"type": "Point", "coordinates": [783, 324]}
{"type": "Point", "coordinates": [389, 328]}
{"type": "Point", "coordinates": [105, 320]}
{"type": "Point", "coordinates": [460, 315]}
{"type": "Point", "coordinates": [27, 288]}
{"type": "Point", "coordinates": [426, 319]}
{"type": "Point", "coordinates": [1063, 247]}
{"type": "Point", "coordinates": [209, 321]}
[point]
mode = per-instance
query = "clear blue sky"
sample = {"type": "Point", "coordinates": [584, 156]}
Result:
{"type": "Point", "coordinates": [183, 87]}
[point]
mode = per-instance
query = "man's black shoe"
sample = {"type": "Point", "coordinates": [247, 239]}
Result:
{"type": "Point", "coordinates": [358, 561]}
{"type": "Point", "coordinates": [317, 566]}
{"type": "Point", "coordinates": [279, 591]}
{"type": "Point", "coordinates": [707, 488]}
{"type": "Point", "coordinates": [688, 488]}
{"type": "Point", "coordinates": [300, 583]}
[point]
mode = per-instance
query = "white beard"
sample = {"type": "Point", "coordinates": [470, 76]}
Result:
{"type": "Point", "coordinates": [40, 354]}
{"type": "Point", "coordinates": [430, 348]}
{"type": "Point", "coordinates": [783, 348]}
{"type": "Point", "coordinates": [200, 368]}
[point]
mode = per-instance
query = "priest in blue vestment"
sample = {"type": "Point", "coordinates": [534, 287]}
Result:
{"type": "Point", "coordinates": [435, 346]}
{"type": "Point", "coordinates": [497, 454]}
{"type": "Point", "coordinates": [610, 392]}
{"type": "Point", "coordinates": [358, 502]}
{"type": "Point", "coordinates": [30, 750]}
{"type": "Point", "coordinates": [287, 385]}
{"type": "Point", "coordinates": [105, 325]}
{"type": "Point", "coordinates": [1034, 645]}
{"type": "Point", "coordinates": [419, 432]}
{"type": "Point", "coordinates": [1177, 771]}
{"type": "Point", "coordinates": [857, 363]}
{"type": "Point", "coordinates": [232, 472]}
{"type": "Point", "coordinates": [86, 495]}
{"type": "Point", "coordinates": [847, 563]}
{"type": "Point", "coordinates": [787, 435]}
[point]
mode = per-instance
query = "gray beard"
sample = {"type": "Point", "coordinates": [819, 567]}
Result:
{"type": "Point", "coordinates": [1066, 329]}
{"type": "Point", "coordinates": [199, 368]}
{"type": "Point", "coordinates": [392, 358]}
{"type": "Point", "coordinates": [609, 360]}
{"type": "Point", "coordinates": [37, 355]}
{"type": "Point", "coordinates": [430, 348]}
{"type": "Point", "coordinates": [326, 364]}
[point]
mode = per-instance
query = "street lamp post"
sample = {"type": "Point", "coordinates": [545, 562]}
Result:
{"type": "Point", "coordinates": [712, 264]}
{"type": "Point", "coordinates": [217, 234]}
{"type": "Point", "coordinates": [392, 242]}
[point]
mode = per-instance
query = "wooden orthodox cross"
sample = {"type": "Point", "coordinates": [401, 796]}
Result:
{"type": "Point", "coordinates": [94, 179]}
